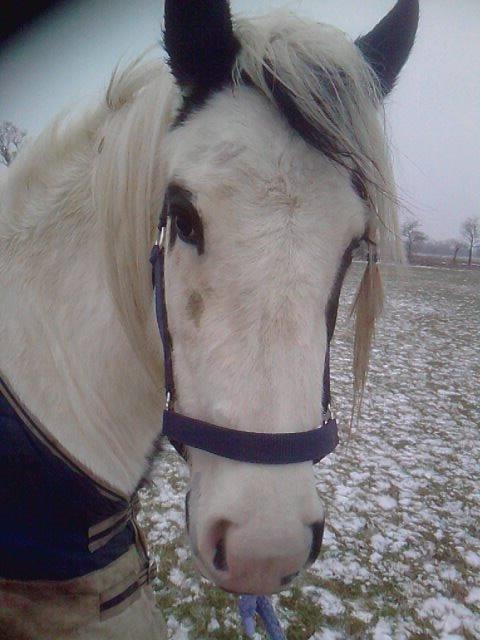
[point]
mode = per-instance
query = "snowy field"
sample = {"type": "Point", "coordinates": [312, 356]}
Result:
{"type": "Point", "coordinates": [401, 554]}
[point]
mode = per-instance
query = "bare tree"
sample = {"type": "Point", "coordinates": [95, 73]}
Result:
{"type": "Point", "coordinates": [11, 138]}
{"type": "Point", "coordinates": [412, 235]}
{"type": "Point", "coordinates": [456, 245]}
{"type": "Point", "coordinates": [470, 230]}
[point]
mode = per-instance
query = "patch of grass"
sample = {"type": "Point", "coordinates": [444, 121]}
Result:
{"type": "Point", "coordinates": [306, 615]}
{"type": "Point", "coordinates": [420, 636]}
{"type": "Point", "coordinates": [355, 628]}
{"type": "Point", "coordinates": [343, 590]}
{"type": "Point", "coordinates": [458, 590]}
{"type": "Point", "coordinates": [468, 635]}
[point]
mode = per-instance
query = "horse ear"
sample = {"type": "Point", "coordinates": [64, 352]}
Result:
{"type": "Point", "coordinates": [200, 43]}
{"type": "Point", "coordinates": [388, 45]}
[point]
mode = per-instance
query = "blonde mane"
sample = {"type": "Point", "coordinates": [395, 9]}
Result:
{"type": "Point", "coordinates": [140, 102]}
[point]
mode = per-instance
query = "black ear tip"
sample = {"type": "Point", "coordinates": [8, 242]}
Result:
{"type": "Point", "coordinates": [388, 45]}
{"type": "Point", "coordinates": [199, 41]}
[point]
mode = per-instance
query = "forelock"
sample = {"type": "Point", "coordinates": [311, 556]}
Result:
{"type": "Point", "coordinates": [317, 78]}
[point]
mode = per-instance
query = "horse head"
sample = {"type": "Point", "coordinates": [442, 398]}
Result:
{"type": "Point", "coordinates": [276, 170]}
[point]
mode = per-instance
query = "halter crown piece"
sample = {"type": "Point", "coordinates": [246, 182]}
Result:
{"type": "Point", "coordinates": [255, 448]}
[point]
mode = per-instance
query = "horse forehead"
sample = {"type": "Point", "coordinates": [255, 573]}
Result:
{"type": "Point", "coordinates": [235, 129]}
{"type": "Point", "coordinates": [239, 147]}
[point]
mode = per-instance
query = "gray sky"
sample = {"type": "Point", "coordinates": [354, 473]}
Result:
{"type": "Point", "coordinates": [67, 57]}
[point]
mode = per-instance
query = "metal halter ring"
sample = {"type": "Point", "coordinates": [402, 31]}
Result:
{"type": "Point", "coordinates": [161, 235]}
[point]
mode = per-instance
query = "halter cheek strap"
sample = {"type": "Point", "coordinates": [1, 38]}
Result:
{"type": "Point", "coordinates": [234, 444]}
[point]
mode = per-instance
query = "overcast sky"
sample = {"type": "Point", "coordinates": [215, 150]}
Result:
{"type": "Point", "coordinates": [67, 56]}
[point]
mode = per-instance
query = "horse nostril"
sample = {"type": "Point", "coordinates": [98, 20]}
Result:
{"type": "Point", "coordinates": [317, 537]}
{"type": "Point", "coordinates": [219, 559]}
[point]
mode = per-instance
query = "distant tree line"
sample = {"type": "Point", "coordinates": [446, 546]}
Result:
{"type": "Point", "coordinates": [466, 245]}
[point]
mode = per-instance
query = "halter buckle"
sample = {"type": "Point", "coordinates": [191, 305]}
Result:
{"type": "Point", "coordinates": [168, 401]}
{"type": "Point", "coordinates": [329, 414]}
{"type": "Point", "coordinates": [160, 241]}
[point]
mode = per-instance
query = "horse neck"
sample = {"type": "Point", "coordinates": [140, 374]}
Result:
{"type": "Point", "coordinates": [62, 346]}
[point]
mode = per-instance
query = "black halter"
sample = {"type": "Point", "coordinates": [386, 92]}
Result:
{"type": "Point", "coordinates": [245, 446]}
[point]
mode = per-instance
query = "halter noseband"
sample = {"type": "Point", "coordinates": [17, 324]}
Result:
{"type": "Point", "coordinates": [244, 446]}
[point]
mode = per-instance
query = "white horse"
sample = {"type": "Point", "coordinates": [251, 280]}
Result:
{"type": "Point", "coordinates": [269, 132]}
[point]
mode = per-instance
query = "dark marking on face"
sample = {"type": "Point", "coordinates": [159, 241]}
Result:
{"type": "Point", "coordinates": [195, 307]}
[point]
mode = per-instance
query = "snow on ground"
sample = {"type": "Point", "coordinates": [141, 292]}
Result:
{"type": "Point", "coordinates": [401, 553]}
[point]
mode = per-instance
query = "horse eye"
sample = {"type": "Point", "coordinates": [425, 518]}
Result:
{"type": "Point", "coordinates": [186, 223]}
{"type": "Point", "coordinates": [184, 227]}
